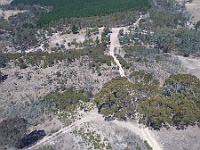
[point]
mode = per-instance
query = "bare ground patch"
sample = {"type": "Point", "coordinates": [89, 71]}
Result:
{"type": "Point", "coordinates": [4, 2]}
{"type": "Point", "coordinates": [7, 13]}
{"type": "Point", "coordinates": [193, 8]}
{"type": "Point", "coordinates": [192, 65]}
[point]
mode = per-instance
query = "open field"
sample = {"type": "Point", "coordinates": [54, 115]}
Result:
{"type": "Point", "coordinates": [68, 38]}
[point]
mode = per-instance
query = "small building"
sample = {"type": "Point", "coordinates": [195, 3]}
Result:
{"type": "Point", "coordinates": [135, 38]}
{"type": "Point", "coordinates": [127, 32]}
{"type": "Point", "coordinates": [120, 37]}
{"type": "Point", "coordinates": [108, 35]}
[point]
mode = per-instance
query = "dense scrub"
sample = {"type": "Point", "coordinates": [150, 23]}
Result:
{"type": "Point", "coordinates": [23, 30]}
{"type": "Point", "coordinates": [123, 62]}
{"type": "Point", "coordinates": [67, 100]}
{"type": "Point", "coordinates": [119, 98]}
{"type": "Point", "coordinates": [115, 99]}
{"type": "Point", "coordinates": [79, 8]}
{"type": "Point", "coordinates": [176, 103]}
{"type": "Point", "coordinates": [183, 41]}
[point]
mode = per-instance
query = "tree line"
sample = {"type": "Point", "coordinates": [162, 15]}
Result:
{"type": "Point", "coordinates": [79, 8]}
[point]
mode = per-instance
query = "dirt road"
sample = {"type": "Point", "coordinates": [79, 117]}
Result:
{"type": "Point", "coordinates": [115, 44]}
{"type": "Point", "coordinates": [93, 115]}
{"type": "Point", "coordinates": [144, 133]}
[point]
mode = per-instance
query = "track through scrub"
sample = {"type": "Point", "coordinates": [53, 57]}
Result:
{"type": "Point", "coordinates": [114, 43]}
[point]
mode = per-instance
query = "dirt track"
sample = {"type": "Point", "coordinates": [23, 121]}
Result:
{"type": "Point", "coordinates": [115, 44]}
{"type": "Point", "coordinates": [144, 133]}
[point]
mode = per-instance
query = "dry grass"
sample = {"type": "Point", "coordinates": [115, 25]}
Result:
{"type": "Point", "coordinates": [4, 2]}
{"type": "Point", "coordinates": [193, 8]}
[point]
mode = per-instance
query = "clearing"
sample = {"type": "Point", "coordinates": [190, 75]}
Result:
{"type": "Point", "coordinates": [192, 65]}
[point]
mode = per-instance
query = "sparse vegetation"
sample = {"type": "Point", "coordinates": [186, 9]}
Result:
{"type": "Point", "coordinates": [147, 145]}
{"type": "Point", "coordinates": [49, 59]}
{"type": "Point", "coordinates": [49, 147]}
{"type": "Point", "coordinates": [151, 91]}
{"type": "Point", "coordinates": [33, 111]}
{"type": "Point", "coordinates": [94, 139]}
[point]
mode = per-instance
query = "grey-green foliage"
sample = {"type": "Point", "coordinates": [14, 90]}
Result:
{"type": "Point", "coordinates": [96, 55]}
{"type": "Point", "coordinates": [48, 147]}
{"type": "Point", "coordinates": [147, 145]}
{"type": "Point", "coordinates": [167, 14]}
{"type": "Point", "coordinates": [197, 26]}
{"type": "Point", "coordinates": [183, 41]}
{"type": "Point", "coordinates": [33, 111]}
{"type": "Point", "coordinates": [67, 100]}
{"type": "Point", "coordinates": [164, 14]}
{"type": "Point", "coordinates": [187, 41]}
{"type": "Point", "coordinates": [118, 97]}
{"type": "Point", "coordinates": [178, 105]}
{"type": "Point", "coordinates": [141, 54]}
{"type": "Point", "coordinates": [12, 130]}
{"type": "Point", "coordinates": [164, 39]}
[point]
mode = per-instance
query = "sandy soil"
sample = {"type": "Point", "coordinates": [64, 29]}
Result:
{"type": "Point", "coordinates": [80, 37]}
{"type": "Point", "coordinates": [115, 44]}
{"type": "Point", "coordinates": [4, 2]}
{"type": "Point", "coordinates": [193, 8]}
{"type": "Point", "coordinates": [7, 13]}
{"type": "Point", "coordinates": [174, 139]}
{"type": "Point", "coordinates": [144, 133]}
{"type": "Point", "coordinates": [192, 65]}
